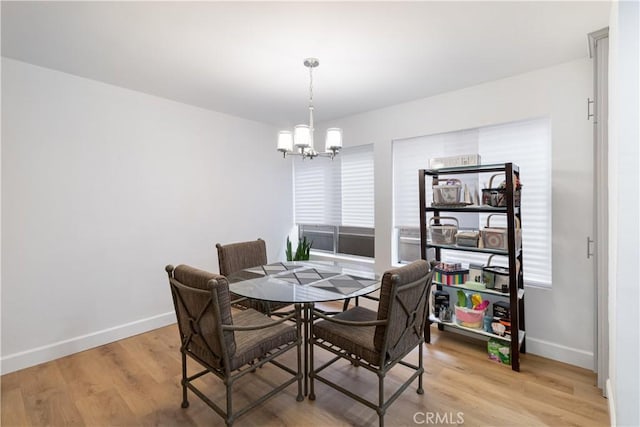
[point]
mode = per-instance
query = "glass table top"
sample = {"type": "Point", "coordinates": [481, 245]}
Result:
{"type": "Point", "coordinates": [303, 281]}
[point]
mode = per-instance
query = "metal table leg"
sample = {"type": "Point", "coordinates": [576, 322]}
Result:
{"type": "Point", "coordinates": [305, 319]}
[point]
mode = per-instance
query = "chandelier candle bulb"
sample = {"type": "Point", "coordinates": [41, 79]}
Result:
{"type": "Point", "coordinates": [302, 137]}
{"type": "Point", "coordinates": [334, 139]}
{"type": "Point", "coordinates": [285, 141]}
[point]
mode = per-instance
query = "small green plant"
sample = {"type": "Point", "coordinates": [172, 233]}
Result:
{"type": "Point", "coordinates": [302, 251]}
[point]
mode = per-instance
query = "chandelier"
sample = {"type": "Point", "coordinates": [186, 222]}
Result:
{"type": "Point", "coordinates": [302, 136]}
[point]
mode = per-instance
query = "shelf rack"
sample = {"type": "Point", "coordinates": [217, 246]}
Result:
{"type": "Point", "coordinates": [516, 291]}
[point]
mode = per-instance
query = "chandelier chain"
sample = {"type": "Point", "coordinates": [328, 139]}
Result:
{"type": "Point", "coordinates": [311, 105]}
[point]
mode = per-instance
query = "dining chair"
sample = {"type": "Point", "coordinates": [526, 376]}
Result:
{"type": "Point", "coordinates": [228, 346]}
{"type": "Point", "coordinates": [235, 257]}
{"type": "Point", "coordinates": [377, 341]}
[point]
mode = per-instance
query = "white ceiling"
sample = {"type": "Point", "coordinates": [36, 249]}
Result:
{"type": "Point", "coordinates": [245, 59]}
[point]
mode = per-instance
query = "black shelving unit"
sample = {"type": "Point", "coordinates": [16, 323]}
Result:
{"type": "Point", "coordinates": [513, 253]}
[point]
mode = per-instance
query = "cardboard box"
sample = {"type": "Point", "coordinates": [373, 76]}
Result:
{"type": "Point", "coordinates": [475, 273]}
{"type": "Point", "coordinates": [457, 277]}
{"type": "Point", "coordinates": [501, 324]}
{"type": "Point", "coordinates": [440, 299]}
{"type": "Point", "coordinates": [501, 327]}
{"type": "Point", "coordinates": [502, 309]}
{"type": "Point", "coordinates": [453, 161]}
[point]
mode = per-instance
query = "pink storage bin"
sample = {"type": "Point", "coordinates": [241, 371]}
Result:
{"type": "Point", "coordinates": [469, 317]}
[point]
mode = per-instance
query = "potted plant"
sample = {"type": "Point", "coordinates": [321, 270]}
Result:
{"type": "Point", "coordinates": [302, 251]}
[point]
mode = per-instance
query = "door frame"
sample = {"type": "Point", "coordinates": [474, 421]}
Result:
{"type": "Point", "coordinates": [599, 52]}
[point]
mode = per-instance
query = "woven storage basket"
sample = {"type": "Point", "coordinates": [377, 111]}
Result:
{"type": "Point", "coordinates": [443, 234]}
{"type": "Point", "coordinates": [496, 237]}
{"type": "Point", "coordinates": [497, 197]}
{"type": "Point", "coordinates": [448, 193]}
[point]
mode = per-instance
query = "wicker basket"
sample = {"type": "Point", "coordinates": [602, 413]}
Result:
{"type": "Point", "coordinates": [443, 234]}
{"type": "Point", "coordinates": [497, 197]}
{"type": "Point", "coordinates": [448, 193]}
{"type": "Point", "coordinates": [496, 237]}
{"type": "Point", "coordinates": [468, 238]}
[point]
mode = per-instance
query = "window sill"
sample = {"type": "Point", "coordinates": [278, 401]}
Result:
{"type": "Point", "coordinates": [325, 256]}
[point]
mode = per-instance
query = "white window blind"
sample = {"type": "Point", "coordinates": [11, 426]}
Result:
{"type": "Point", "coordinates": [525, 143]}
{"type": "Point", "coordinates": [317, 194]}
{"type": "Point", "coordinates": [357, 186]}
{"type": "Point", "coordinates": [338, 192]}
{"type": "Point", "coordinates": [410, 155]}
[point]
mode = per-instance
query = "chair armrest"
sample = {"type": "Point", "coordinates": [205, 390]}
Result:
{"type": "Point", "coordinates": [256, 327]}
{"type": "Point", "coordinates": [349, 322]}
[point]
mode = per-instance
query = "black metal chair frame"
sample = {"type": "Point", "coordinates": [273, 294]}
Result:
{"type": "Point", "coordinates": [345, 305]}
{"type": "Point", "coordinates": [228, 377]}
{"type": "Point", "coordinates": [243, 303]}
{"type": "Point", "coordinates": [417, 323]}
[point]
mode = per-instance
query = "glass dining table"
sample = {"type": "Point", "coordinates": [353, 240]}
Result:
{"type": "Point", "coordinates": [304, 283]}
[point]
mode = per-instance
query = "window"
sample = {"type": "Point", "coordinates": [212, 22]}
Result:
{"type": "Point", "coordinates": [334, 201]}
{"type": "Point", "coordinates": [525, 143]}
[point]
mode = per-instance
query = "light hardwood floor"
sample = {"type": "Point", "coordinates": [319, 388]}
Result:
{"type": "Point", "coordinates": [136, 382]}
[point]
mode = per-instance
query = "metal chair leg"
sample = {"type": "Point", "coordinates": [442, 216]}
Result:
{"type": "Point", "coordinates": [312, 392]}
{"type": "Point", "coordinates": [380, 409]}
{"type": "Point", "coordinates": [300, 396]}
{"type": "Point", "coordinates": [229, 419]}
{"type": "Point", "coordinates": [185, 402]}
{"type": "Point", "coordinates": [421, 369]}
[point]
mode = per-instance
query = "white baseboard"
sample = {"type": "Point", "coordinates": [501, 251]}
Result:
{"type": "Point", "coordinates": [572, 356]}
{"type": "Point", "coordinates": [35, 356]}
{"type": "Point", "coordinates": [612, 406]}
{"type": "Point", "coordinates": [561, 353]}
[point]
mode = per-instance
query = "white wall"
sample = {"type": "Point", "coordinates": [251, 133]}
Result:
{"type": "Point", "coordinates": [559, 320]}
{"type": "Point", "coordinates": [624, 211]}
{"type": "Point", "coordinates": [101, 188]}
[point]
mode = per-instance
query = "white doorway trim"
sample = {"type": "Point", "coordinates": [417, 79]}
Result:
{"type": "Point", "coordinates": [599, 51]}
